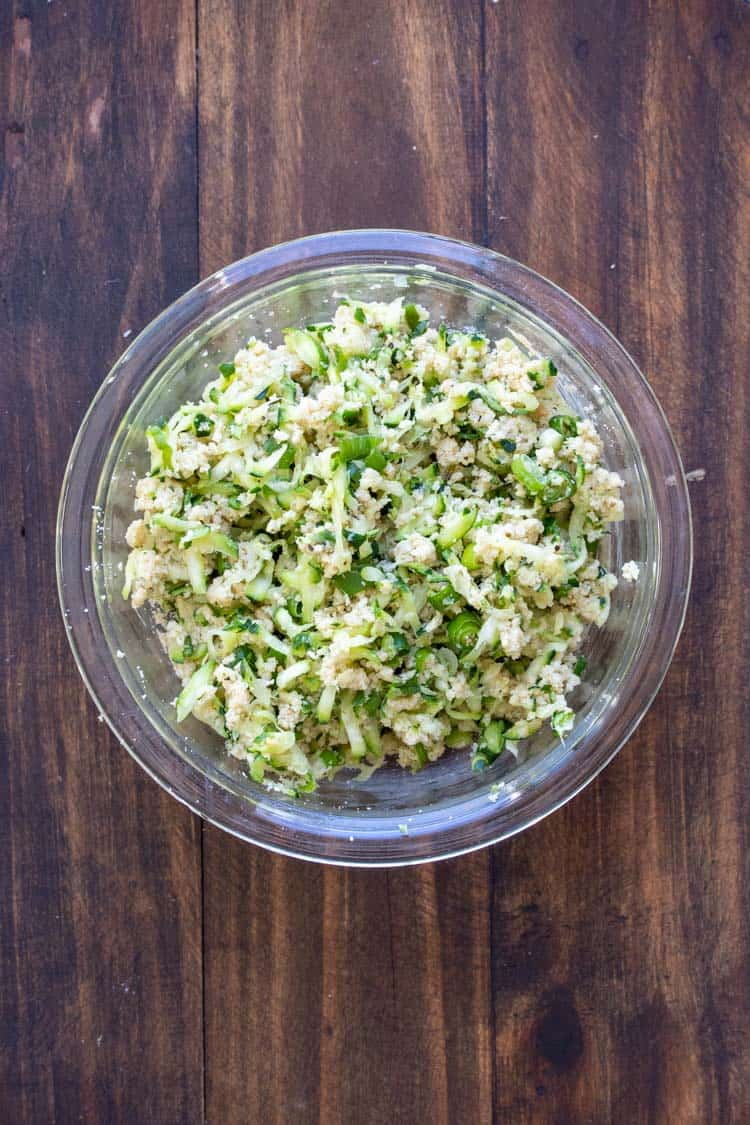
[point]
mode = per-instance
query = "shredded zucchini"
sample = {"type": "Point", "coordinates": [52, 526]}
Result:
{"type": "Point", "coordinates": [376, 540]}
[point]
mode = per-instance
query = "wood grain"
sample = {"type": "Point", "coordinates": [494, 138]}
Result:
{"type": "Point", "coordinates": [100, 896]}
{"type": "Point", "coordinates": [337, 115]}
{"type": "Point", "coordinates": [342, 996]}
{"type": "Point", "coordinates": [621, 988]}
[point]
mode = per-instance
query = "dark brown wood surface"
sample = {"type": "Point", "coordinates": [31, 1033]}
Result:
{"type": "Point", "coordinates": [595, 969]}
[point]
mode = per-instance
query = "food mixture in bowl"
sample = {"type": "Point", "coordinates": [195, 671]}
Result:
{"type": "Point", "coordinates": [377, 540]}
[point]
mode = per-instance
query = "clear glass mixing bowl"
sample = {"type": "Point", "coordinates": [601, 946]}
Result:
{"type": "Point", "coordinates": [395, 817]}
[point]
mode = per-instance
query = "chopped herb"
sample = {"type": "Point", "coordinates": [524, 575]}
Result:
{"type": "Point", "coordinates": [350, 582]}
{"type": "Point", "coordinates": [203, 425]}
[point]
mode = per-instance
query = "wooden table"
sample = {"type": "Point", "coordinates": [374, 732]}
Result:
{"type": "Point", "coordinates": [594, 969]}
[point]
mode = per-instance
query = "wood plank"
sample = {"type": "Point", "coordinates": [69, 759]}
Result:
{"type": "Point", "coordinates": [619, 148]}
{"type": "Point", "coordinates": [100, 897]}
{"type": "Point", "coordinates": [334, 116]}
{"type": "Point", "coordinates": [341, 995]}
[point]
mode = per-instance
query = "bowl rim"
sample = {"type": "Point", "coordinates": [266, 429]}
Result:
{"type": "Point", "coordinates": [374, 246]}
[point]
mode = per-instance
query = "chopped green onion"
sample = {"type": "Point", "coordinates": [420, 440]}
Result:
{"type": "Point", "coordinates": [528, 473]}
{"type": "Point", "coordinates": [306, 347]}
{"type": "Point", "coordinates": [202, 424]}
{"type": "Point", "coordinates": [303, 642]}
{"type": "Point", "coordinates": [443, 596]}
{"type": "Point", "coordinates": [559, 485]}
{"type": "Point", "coordinates": [463, 630]}
{"type": "Point", "coordinates": [242, 654]}
{"type": "Point", "coordinates": [356, 447]}
{"type": "Point", "coordinates": [456, 526]}
{"type": "Point", "coordinates": [376, 461]}
{"type": "Point", "coordinates": [239, 624]}
{"type": "Point", "coordinates": [565, 424]}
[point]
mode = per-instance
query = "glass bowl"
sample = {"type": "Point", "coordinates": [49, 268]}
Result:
{"type": "Point", "coordinates": [395, 817]}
